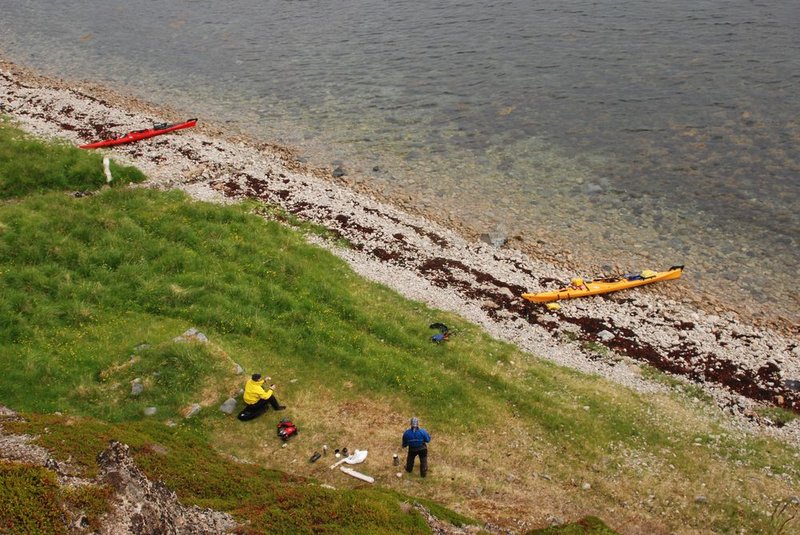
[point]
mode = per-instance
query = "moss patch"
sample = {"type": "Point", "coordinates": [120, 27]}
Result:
{"type": "Point", "coordinates": [29, 501]}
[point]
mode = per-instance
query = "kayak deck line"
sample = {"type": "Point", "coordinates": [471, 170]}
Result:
{"type": "Point", "coordinates": [135, 135]}
{"type": "Point", "coordinates": [605, 285]}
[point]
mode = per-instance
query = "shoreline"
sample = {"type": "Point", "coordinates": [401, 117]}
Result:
{"type": "Point", "coordinates": [743, 365]}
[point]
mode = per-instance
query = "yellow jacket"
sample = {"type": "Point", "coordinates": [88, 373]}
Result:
{"type": "Point", "coordinates": [253, 391]}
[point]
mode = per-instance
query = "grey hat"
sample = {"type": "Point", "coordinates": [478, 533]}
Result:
{"type": "Point", "coordinates": [414, 422]}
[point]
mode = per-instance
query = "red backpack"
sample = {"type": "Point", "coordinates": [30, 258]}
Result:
{"type": "Point", "coordinates": [286, 429]}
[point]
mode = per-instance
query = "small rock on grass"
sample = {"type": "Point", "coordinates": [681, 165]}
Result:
{"type": "Point", "coordinates": [191, 335]}
{"type": "Point", "coordinates": [192, 410]}
{"type": "Point", "coordinates": [229, 406]}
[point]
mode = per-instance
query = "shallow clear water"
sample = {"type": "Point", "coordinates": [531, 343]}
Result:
{"type": "Point", "coordinates": [637, 133]}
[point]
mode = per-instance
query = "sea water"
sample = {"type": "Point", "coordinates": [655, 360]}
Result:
{"type": "Point", "coordinates": [635, 134]}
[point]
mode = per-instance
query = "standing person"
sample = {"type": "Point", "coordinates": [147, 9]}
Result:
{"type": "Point", "coordinates": [256, 398]}
{"type": "Point", "coordinates": [416, 438]}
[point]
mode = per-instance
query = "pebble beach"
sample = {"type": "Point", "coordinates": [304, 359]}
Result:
{"type": "Point", "coordinates": [741, 362]}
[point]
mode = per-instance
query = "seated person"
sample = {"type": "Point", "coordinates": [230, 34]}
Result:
{"type": "Point", "coordinates": [256, 398]}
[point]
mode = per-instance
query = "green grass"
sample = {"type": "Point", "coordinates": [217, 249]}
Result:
{"type": "Point", "coordinates": [777, 415]}
{"type": "Point", "coordinates": [85, 283]}
{"type": "Point", "coordinates": [93, 290]}
{"type": "Point", "coordinates": [164, 371]}
{"type": "Point", "coordinates": [689, 390]}
{"type": "Point", "coordinates": [29, 165]}
{"type": "Point", "coordinates": [277, 213]}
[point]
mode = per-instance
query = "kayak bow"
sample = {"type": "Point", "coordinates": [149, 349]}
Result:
{"type": "Point", "coordinates": [136, 135]}
{"type": "Point", "coordinates": [601, 286]}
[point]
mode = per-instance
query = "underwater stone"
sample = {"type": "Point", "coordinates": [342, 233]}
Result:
{"type": "Point", "coordinates": [496, 238]}
{"type": "Point", "coordinates": [593, 188]}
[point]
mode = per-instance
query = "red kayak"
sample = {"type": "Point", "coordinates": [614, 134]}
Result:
{"type": "Point", "coordinates": [157, 130]}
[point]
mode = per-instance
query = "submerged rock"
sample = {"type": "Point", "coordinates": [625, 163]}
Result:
{"type": "Point", "coordinates": [496, 238]}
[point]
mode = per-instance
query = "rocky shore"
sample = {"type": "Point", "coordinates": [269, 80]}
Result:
{"type": "Point", "coordinates": [743, 366]}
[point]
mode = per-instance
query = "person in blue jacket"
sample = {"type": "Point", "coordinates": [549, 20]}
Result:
{"type": "Point", "coordinates": [416, 439]}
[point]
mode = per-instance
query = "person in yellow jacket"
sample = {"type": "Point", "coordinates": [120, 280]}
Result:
{"type": "Point", "coordinates": [256, 398]}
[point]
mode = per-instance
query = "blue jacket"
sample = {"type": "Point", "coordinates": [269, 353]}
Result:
{"type": "Point", "coordinates": [415, 437]}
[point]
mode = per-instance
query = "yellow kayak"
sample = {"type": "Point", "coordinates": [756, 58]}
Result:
{"type": "Point", "coordinates": [579, 288]}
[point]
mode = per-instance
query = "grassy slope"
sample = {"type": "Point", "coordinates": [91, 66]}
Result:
{"type": "Point", "coordinates": [25, 161]}
{"type": "Point", "coordinates": [84, 282]}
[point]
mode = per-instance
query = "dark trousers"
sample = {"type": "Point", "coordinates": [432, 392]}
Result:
{"type": "Point", "coordinates": [260, 406]}
{"type": "Point", "coordinates": [423, 460]}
